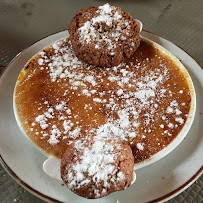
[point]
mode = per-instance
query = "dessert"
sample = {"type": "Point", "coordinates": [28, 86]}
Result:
{"type": "Point", "coordinates": [104, 36]}
{"type": "Point", "coordinates": [94, 168]}
{"type": "Point", "coordinates": [102, 100]}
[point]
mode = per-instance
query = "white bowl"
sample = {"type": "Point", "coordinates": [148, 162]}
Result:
{"type": "Point", "coordinates": [52, 165]}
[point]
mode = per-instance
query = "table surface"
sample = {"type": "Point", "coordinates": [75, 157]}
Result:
{"type": "Point", "coordinates": [24, 22]}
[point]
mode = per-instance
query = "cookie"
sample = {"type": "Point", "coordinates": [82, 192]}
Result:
{"type": "Point", "coordinates": [93, 168]}
{"type": "Point", "coordinates": [104, 36]}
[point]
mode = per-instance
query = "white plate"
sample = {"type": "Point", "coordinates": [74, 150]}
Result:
{"type": "Point", "coordinates": [159, 181]}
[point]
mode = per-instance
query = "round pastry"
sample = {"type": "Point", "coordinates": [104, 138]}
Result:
{"type": "Point", "coordinates": [93, 168]}
{"type": "Point", "coordinates": [104, 36]}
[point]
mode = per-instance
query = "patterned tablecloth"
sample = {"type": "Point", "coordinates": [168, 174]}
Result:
{"type": "Point", "coordinates": [24, 22]}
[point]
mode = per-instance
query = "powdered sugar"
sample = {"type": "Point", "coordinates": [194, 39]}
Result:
{"type": "Point", "coordinates": [54, 133]}
{"type": "Point", "coordinates": [105, 14]}
{"type": "Point", "coordinates": [169, 110]}
{"type": "Point", "coordinates": [119, 92]}
{"type": "Point", "coordinates": [170, 125]}
{"type": "Point", "coordinates": [140, 146]}
{"type": "Point", "coordinates": [179, 120]}
{"type": "Point", "coordinates": [58, 62]}
{"type": "Point", "coordinates": [161, 126]}
{"type": "Point", "coordinates": [41, 119]}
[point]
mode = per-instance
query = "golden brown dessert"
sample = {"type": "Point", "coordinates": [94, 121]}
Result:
{"type": "Point", "coordinates": [104, 36]}
{"type": "Point", "coordinates": [93, 168]}
{"type": "Point", "coordinates": [144, 101]}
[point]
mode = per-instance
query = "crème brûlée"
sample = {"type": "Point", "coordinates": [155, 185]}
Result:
{"type": "Point", "coordinates": [144, 101]}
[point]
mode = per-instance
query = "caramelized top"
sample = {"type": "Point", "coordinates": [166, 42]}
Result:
{"type": "Point", "coordinates": [144, 101]}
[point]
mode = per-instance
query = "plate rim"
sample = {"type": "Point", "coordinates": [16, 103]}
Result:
{"type": "Point", "coordinates": [42, 196]}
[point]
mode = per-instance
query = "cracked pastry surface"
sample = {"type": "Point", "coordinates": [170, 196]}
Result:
{"type": "Point", "coordinates": [104, 36]}
{"type": "Point", "coordinates": [93, 168]}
